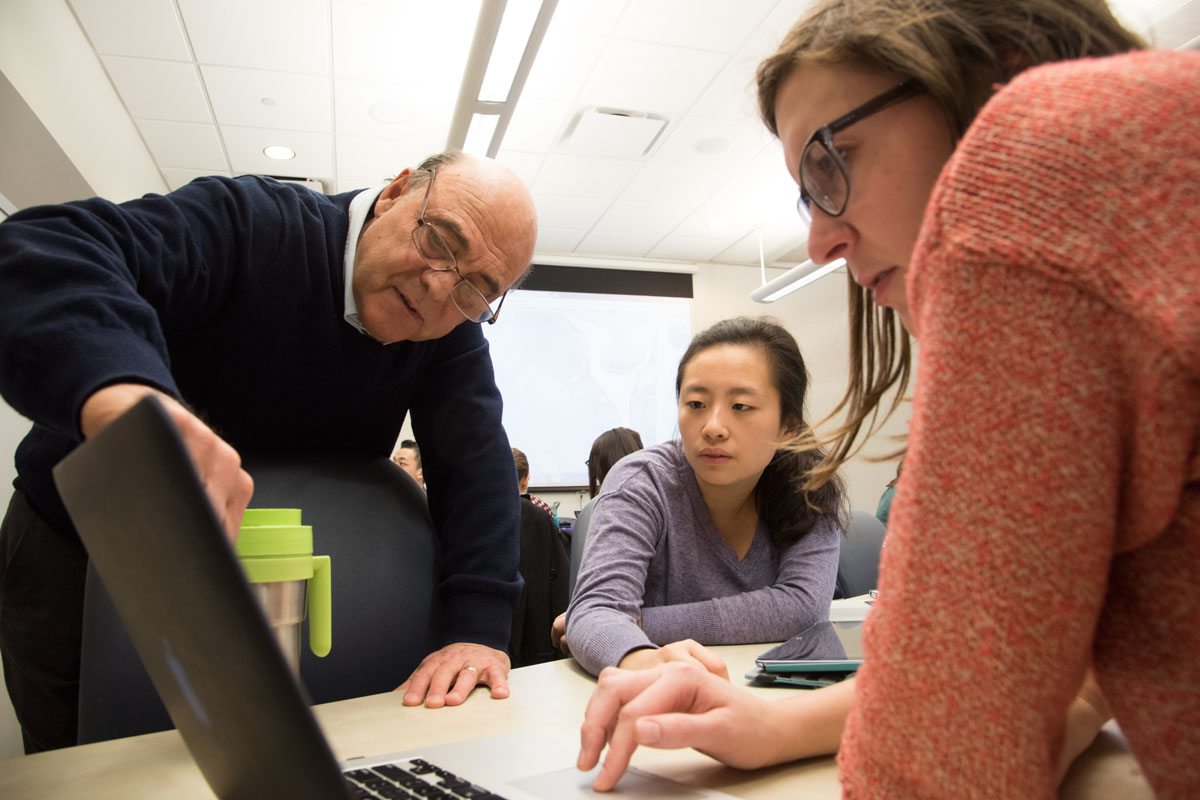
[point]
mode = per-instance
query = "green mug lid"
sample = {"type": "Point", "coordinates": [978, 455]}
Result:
{"type": "Point", "coordinates": [261, 541]}
{"type": "Point", "coordinates": [270, 516]}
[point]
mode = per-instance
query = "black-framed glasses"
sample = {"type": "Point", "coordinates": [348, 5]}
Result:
{"type": "Point", "coordinates": [438, 256]}
{"type": "Point", "coordinates": [824, 178]}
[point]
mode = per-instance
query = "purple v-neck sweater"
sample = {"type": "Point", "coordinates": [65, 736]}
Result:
{"type": "Point", "coordinates": [654, 554]}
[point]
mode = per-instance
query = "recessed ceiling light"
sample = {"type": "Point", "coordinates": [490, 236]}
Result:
{"type": "Point", "coordinates": [718, 224]}
{"type": "Point", "coordinates": [711, 146]}
{"type": "Point", "coordinates": [390, 113]}
{"type": "Point", "coordinates": [279, 152]}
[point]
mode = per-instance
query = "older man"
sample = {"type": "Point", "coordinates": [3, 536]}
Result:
{"type": "Point", "coordinates": [278, 316]}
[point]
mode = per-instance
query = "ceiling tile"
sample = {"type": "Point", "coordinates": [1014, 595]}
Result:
{"type": "Point", "coordinates": [688, 249]}
{"type": "Point", "coordinates": [371, 161]}
{"type": "Point", "coordinates": [734, 92]}
{"type": "Point", "coordinates": [282, 35]}
{"type": "Point", "coordinates": [601, 178]}
{"type": "Point", "coordinates": [576, 213]}
{"type": "Point", "coordinates": [760, 193]}
{"type": "Point", "coordinates": [535, 124]}
{"type": "Point", "coordinates": [252, 98]}
{"type": "Point", "coordinates": [717, 25]}
{"type": "Point", "coordinates": [410, 112]}
{"type": "Point", "coordinates": [183, 144]}
{"type": "Point", "coordinates": [592, 16]}
{"type": "Point", "coordinates": [650, 77]}
{"type": "Point", "coordinates": [143, 28]}
{"type": "Point", "coordinates": [672, 183]}
{"type": "Point", "coordinates": [649, 219]}
{"type": "Point", "coordinates": [314, 152]}
{"type": "Point", "coordinates": [563, 64]}
{"type": "Point", "coordinates": [181, 177]}
{"type": "Point", "coordinates": [526, 165]}
{"type": "Point", "coordinates": [618, 244]}
{"type": "Point", "coordinates": [416, 42]}
{"type": "Point", "coordinates": [776, 245]}
{"type": "Point", "coordinates": [718, 145]}
{"type": "Point", "coordinates": [556, 240]}
{"type": "Point", "coordinates": [159, 89]}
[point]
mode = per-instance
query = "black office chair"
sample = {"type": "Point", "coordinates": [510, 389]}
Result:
{"type": "Point", "coordinates": [858, 564]}
{"type": "Point", "coordinates": [544, 564]}
{"type": "Point", "coordinates": [373, 521]}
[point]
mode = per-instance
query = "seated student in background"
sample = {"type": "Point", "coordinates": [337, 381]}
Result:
{"type": "Point", "coordinates": [885, 500]}
{"type": "Point", "coordinates": [523, 483]}
{"type": "Point", "coordinates": [707, 539]}
{"type": "Point", "coordinates": [543, 565]}
{"type": "Point", "coordinates": [408, 458]}
{"type": "Point", "coordinates": [1048, 517]}
{"type": "Point", "coordinates": [609, 448]}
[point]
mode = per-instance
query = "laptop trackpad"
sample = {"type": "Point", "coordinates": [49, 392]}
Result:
{"type": "Point", "coordinates": [570, 783]}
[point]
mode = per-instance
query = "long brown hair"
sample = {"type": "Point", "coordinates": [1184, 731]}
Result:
{"type": "Point", "coordinates": [956, 50]}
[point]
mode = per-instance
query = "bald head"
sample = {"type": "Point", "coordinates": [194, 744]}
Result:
{"type": "Point", "coordinates": [496, 187]}
{"type": "Point", "coordinates": [486, 218]}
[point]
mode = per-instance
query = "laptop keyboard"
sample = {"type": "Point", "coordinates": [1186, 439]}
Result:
{"type": "Point", "coordinates": [415, 779]}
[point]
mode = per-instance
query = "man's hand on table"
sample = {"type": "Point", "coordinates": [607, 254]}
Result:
{"type": "Point", "coordinates": [229, 487]}
{"type": "Point", "coordinates": [445, 677]}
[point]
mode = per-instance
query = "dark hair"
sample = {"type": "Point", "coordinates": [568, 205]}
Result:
{"type": "Point", "coordinates": [788, 510]}
{"type": "Point", "coordinates": [956, 50]}
{"type": "Point", "coordinates": [609, 448]}
{"type": "Point", "coordinates": [409, 444]}
{"type": "Point", "coordinates": [522, 464]}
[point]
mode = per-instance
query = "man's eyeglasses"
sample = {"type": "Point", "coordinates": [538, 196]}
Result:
{"type": "Point", "coordinates": [436, 254]}
{"type": "Point", "coordinates": [824, 179]}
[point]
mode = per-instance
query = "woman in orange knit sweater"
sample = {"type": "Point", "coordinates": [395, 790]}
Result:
{"type": "Point", "coordinates": [1038, 228]}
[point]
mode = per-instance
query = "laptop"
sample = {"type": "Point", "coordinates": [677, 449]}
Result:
{"type": "Point", "coordinates": [162, 554]}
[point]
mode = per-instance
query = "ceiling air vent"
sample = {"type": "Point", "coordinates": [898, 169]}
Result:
{"type": "Point", "coordinates": [612, 133]}
{"type": "Point", "coordinates": [309, 183]}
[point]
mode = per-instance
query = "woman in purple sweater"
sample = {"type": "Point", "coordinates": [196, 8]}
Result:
{"type": "Point", "coordinates": [707, 539]}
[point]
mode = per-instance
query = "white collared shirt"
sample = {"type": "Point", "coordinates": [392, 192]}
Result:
{"type": "Point", "coordinates": [360, 207]}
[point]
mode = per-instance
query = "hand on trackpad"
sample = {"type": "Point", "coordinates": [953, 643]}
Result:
{"type": "Point", "coordinates": [570, 783]}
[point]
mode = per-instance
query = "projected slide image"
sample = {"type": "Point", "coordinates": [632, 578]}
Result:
{"type": "Point", "coordinates": [572, 365]}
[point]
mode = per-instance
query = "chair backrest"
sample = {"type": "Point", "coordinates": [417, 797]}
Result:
{"type": "Point", "coordinates": [372, 519]}
{"type": "Point", "coordinates": [858, 565]}
{"type": "Point", "coordinates": [544, 568]}
{"type": "Point", "coordinates": [578, 538]}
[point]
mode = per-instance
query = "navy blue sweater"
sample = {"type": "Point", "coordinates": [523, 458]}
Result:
{"type": "Point", "coordinates": [229, 295]}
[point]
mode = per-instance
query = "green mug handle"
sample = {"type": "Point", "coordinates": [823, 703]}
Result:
{"type": "Point", "coordinates": [320, 627]}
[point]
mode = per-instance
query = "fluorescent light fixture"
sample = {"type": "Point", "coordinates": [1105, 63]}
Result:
{"type": "Point", "coordinates": [279, 152]}
{"type": "Point", "coordinates": [515, 25]}
{"type": "Point", "coordinates": [793, 279]}
{"type": "Point", "coordinates": [479, 135]}
{"type": "Point", "coordinates": [502, 53]}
